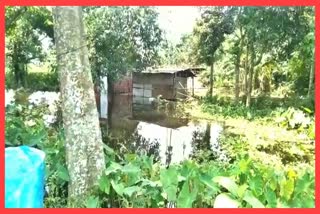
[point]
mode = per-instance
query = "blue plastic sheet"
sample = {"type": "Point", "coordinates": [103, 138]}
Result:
{"type": "Point", "coordinates": [24, 177]}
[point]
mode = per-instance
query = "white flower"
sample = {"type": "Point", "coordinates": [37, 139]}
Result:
{"type": "Point", "coordinates": [9, 97]}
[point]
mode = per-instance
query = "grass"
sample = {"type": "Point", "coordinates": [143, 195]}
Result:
{"type": "Point", "coordinates": [267, 141]}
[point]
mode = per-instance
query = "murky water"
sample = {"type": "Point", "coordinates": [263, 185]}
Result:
{"type": "Point", "coordinates": [168, 138]}
{"type": "Point", "coordinates": [176, 145]}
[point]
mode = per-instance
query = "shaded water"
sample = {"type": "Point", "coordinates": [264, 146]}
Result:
{"type": "Point", "coordinates": [170, 139]}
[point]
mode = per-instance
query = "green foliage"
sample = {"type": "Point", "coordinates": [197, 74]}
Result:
{"type": "Point", "coordinates": [122, 39]}
{"type": "Point", "coordinates": [225, 107]}
{"type": "Point", "coordinates": [205, 185]}
{"type": "Point", "coordinates": [25, 126]}
{"type": "Point", "coordinates": [26, 27]}
{"type": "Point", "coordinates": [295, 119]}
{"type": "Point", "coordinates": [210, 32]}
{"type": "Point", "coordinates": [181, 54]}
{"type": "Point", "coordinates": [138, 181]}
{"type": "Point", "coordinates": [37, 81]}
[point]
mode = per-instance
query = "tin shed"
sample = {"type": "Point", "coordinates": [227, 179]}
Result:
{"type": "Point", "coordinates": [171, 84]}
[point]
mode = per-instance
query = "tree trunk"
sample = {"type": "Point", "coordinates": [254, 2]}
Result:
{"type": "Point", "coordinates": [311, 77]}
{"type": "Point", "coordinates": [237, 69]}
{"type": "Point", "coordinates": [251, 71]}
{"type": "Point", "coordinates": [246, 70]}
{"type": "Point", "coordinates": [237, 64]}
{"type": "Point", "coordinates": [15, 66]}
{"type": "Point", "coordinates": [84, 148]}
{"type": "Point", "coordinates": [256, 81]}
{"type": "Point", "coordinates": [211, 78]}
{"type": "Point", "coordinates": [237, 73]}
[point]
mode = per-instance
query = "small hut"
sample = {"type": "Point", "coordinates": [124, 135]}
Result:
{"type": "Point", "coordinates": [171, 84]}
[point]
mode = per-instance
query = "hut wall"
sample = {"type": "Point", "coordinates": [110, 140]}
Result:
{"type": "Point", "coordinates": [181, 87]}
{"type": "Point", "coordinates": [123, 86]}
{"type": "Point", "coordinates": [153, 85]}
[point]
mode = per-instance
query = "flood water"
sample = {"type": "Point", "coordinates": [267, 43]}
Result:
{"type": "Point", "coordinates": [170, 139]}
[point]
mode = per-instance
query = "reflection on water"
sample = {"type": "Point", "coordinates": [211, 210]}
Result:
{"type": "Point", "coordinates": [168, 138]}
{"type": "Point", "coordinates": [177, 144]}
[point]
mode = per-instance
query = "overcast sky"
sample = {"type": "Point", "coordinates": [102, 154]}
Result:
{"type": "Point", "coordinates": [177, 20]}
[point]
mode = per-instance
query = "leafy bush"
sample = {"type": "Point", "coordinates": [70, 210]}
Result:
{"type": "Point", "coordinates": [139, 182]}
{"type": "Point", "coordinates": [36, 81]}
{"type": "Point", "coordinates": [136, 180]}
{"type": "Point", "coordinates": [295, 119]}
{"type": "Point", "coordinates": [225, 107]}
{"type": "Point", "coordinates": [26, 126]}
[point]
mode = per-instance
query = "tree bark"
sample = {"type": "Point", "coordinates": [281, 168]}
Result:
{"type": "Point", "coordinates": [237, 74]}
{"type": "Point", "coordinates": [237, 62]}
{"type": "Point", "coordinates": [237, 68]}
{"type": "Point", "coordinates": [256, 81]}
{"type": "Point", "coordinates": [311, 77]}
{"type": "Point", "coordinates": [246, 70]}
{"type": "Point", "coordinates": [251, 71]}
{"type": "Point", "coordinates": [211, 78]}
{"type": "Point", "coordinates": [83, 143]}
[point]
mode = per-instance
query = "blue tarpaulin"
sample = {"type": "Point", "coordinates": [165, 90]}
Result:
{"type": "Point", "coordinates": [24, 177]}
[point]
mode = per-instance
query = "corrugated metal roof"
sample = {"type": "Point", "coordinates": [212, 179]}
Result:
{"type": "Point", "coordinates": [171, 70]}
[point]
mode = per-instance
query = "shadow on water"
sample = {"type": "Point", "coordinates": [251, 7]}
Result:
{"type": "Point", "coordinates": [161, 133]}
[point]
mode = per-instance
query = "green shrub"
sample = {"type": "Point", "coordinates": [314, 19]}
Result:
{"type": "Point", "coordinates": [135, 180]}
{"type": "Point", "coordinates": [295, 119]}
{"type": "Point", "coordinates": [36, 81]}
{"type": "Point", "coordinates": [139, 182]}
{"type": "Point", "coordinates": [25, 126]}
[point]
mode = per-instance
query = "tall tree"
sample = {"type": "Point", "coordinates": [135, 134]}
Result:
{"type": "Point", "coordinates": [211, 29]}
{"type": "Point", "coordinates": [122, 39]}
{"type": "Point", "coordinates": [25, 28]}
{"type": "Point", "coordinates": [269, 39]}
{"type": "Point", "coordinates": [84, 147]}
{"type": "Point", "coordinates": [234, 46]}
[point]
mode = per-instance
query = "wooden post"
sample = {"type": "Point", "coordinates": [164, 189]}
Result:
{"type": "Point", "coordinates": [192, 86]}
{"type": "Point", "coordinates": [173, 87]}
{"type": "Point", "coordinates": [104, 98]}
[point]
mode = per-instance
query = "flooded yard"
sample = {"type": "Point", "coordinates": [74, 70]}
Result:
{"type": "Point", "coordinates": [168, 138]}
{"type": "Point", "coordinates": [171, 137]}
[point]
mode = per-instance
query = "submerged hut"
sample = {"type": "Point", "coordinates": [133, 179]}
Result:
{"type": "Point", "coordinates": [171, 84]}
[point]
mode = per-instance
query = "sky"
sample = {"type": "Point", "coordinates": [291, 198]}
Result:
{"type": "Point", "coordinates": [177, 20]}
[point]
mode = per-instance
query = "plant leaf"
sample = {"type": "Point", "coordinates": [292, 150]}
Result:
{"type": "Point", "coordinates": [92, 202]}
{"type": "Point", "coordinates": [113, 168]}
{"type": "Point", "coordinates": [224, 200]}
{"type": "Point", "coordinates": [253, 201]}
{"type": "Point", "coordinates": [271, 197]}
{"type": "Point", "coordinates": [119, 188]}
{"type": "Point", "coordinates": [169, 180]}
{"type": "Point", "coordinates": [227, 183]}
{"type": "Point", "coordinates": [63, 173]}
{"type": "Point", "coordinates": [187, 196]}
{"type": "Point", "coordinates": [207, 180]}
{"type": "Point", "coordinates": [286, 188]}
{"type": "Point", "coordinates": [130, 190]}
{"type": "Point", "coordinates": [241, 190]}
{"type": "Point", "coordinates": [104, 184]}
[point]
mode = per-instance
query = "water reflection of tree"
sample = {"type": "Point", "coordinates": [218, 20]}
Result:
{"type": "Point", "coordinates": [205, 149]}
{"type": "Point", "coordinates": [200, 143]}
{"type": "Point", "coordinates": [126, 142]}
{"type": "Point", "coordinates": [143, 146]}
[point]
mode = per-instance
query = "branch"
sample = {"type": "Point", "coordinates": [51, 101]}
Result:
{"type": "Point", "coordinates": [258, 60]}
{"type": "Point", "coordinates": [14, 19]}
